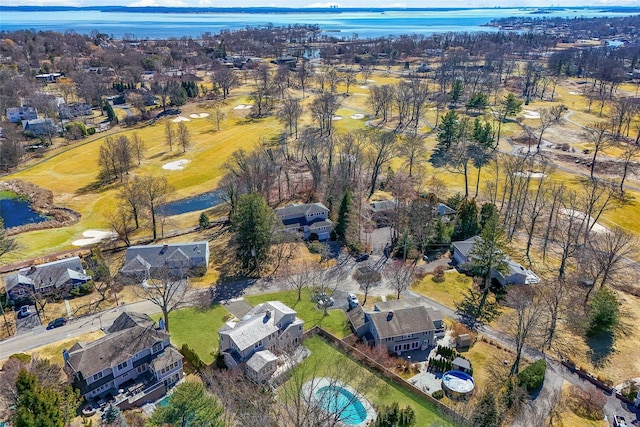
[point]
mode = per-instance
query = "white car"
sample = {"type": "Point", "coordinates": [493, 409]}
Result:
{"type": "Point", "coordinates": [24, 311]}
{"type": "Point", "coordinates": [353, 300]}
{"type": "Point", "coordinates": [619, 421]}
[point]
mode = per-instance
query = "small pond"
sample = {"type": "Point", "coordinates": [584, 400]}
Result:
{"type": "Point", "coordinates": [198, 202]}
{"type": "Point", "coordinates": [16, 211]}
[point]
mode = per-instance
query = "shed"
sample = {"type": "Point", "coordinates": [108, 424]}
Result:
{"type": "Point", "coordinates": [461, 364]}
{"type": "Point", "coordinates": [463, 341]}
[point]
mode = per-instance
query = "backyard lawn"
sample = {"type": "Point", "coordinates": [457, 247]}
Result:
{"type": "Point", "coordinates": [335, 321]}
{"type": "Point", "coordinates": [382, 392]}
{"type": "Point", "coordinates": [198, 328]}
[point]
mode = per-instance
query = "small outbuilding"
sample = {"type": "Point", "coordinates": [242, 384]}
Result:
{"type": "Point", "coordinates": [461, 364]}
{"type": "Point", "coordinates": [463, 341]}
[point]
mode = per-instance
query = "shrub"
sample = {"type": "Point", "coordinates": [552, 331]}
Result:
{"type": "Point", "coordinates": [316, 247]}
{"type": "Point", "coordinates": [438, 394]}
{"type": "Point", "coordinates": [192, 357]}
{"type": "Point", "coordinates": [438, 274]}
{"type": "Point", "coordinates": [91, 131]}
{"type": "Point", "coordinates": [532, 376]}
{"type": "Point", "coordinates": [22, 357]}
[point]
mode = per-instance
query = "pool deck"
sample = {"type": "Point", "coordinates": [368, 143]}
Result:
{"type": "Point", "coordinates": [310, 388]}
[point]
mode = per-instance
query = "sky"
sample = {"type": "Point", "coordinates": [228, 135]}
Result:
{"type": "Point", "coordinates": [324, 3]}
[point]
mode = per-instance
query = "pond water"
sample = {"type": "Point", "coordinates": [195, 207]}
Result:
{"type": "Point", "coordinates": [15, 212]}
{"type": "Point", "coordinates": [198, 202]}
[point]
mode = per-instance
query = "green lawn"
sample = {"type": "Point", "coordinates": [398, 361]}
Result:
{"type": "Point", "coordinates": [335, 322]}
{"type": "Point", "coordinates": [198, 328]}
{"type": "Point", "coordinates": [380, 392]}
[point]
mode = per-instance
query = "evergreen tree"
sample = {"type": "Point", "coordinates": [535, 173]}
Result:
{"type": "Point", "coordinates": [456, 92]}
{"type": "Point", "coordinates": [111, 115]}
{"type": "Point", "coordinates": [189, 406]}
{"type": "Point", "coordinates": [466, 220]}
{"type": "Point", "coordinates": [342, 223]}
{"type": "Point", "coordinates": [604, 312]}
{"type": "Point", "coordinates": [203, 221]}
{"type": "Point", "coordinates": [394, 416]}
{"type": "Point", "coordinates": [486, 212]}
{"type": "Point", "coordinates": [485, 414]}
{"type": "Point", "coordinates": [253, 223]}
{"type": "Point", "coordinates": [36, 406]}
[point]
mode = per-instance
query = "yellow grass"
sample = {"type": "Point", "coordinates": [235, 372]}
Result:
{"type": "Point", "coordinates": [483, 356]}
{"type": "Point", "coordinates": [53, 352]}
{"type": "Point", "coordinates": [569, 419]}
{"type": "Point", "coordinates": [448, 292]}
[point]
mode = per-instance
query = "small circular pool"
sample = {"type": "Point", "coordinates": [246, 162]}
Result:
{"type": "Point", "coordinates": [342, 402]}
{"type": "Point", "coordinates": [457, 384]}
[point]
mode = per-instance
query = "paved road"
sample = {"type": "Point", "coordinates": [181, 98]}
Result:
{"type": "Point", "coordinates": [40, 336]}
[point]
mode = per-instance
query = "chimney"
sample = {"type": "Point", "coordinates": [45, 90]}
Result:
{"type": "Point", "coordinates": [267, 314]}
{"type": "Point", "coordinates": [32, 269]}
{"type": "Point", "coordinates": [390, 315]}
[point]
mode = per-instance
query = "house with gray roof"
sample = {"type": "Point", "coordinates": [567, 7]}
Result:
{"type": "Point", "coordinates": [515, 273]}
{"type": "Point", "coordinates": [18, 114]}
{"type": "Point", "coordinates": [409, 327]}
{"type": "Point", "coordinates": [133, 363]}
{"type": "Point", "coordinates": [254, 342]}
{"type": "Point", "coordinates": [57, 276]}
{"type": "Point", "coordinates": [39, 127]}
{"type": "Point", "coordinates": [143, 262]}
{"type": "Point", "coordinates": [402, 303]}
{"type": "Point", "coordinates": [310, 220]}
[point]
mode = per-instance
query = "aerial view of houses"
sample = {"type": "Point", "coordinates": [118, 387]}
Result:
{"type": "Point", "coordinates": [319, 216]}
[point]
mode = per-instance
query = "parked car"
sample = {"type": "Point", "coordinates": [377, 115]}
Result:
{"type": "Point", "coordinates": [60, 321]}
{"type": "Point", "coordinates": [361, 257]}
{"type": "Point", "coordinates": [619, 421]}
{"type": "Point", "coordinates": [24, 311]}
{"type": "Point", "coordinates": [353, 300]}
{"type": "Point", "coordinates": [323, 300]}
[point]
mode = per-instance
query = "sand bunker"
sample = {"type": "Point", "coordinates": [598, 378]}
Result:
{"type": "Point", "coordinates": [178, 165]}
{"type": "Point", "coordinates": [199, 115]}
{"type": "Point", "coordinates": [364, 87]}
{"type": "Point", "coordinates": [531, 174]}
{"type": "Point", "coordinates": [574, 93]}
{"type": "Point", "coordinates": [243, 107]}
{"type": "Point", "coordinates": [357, 116]}
{"type": "Point", "coordinates": [528, 114]}
{"type": "Point", "coordinates": [370, 81]}
{"type": "Point", "coordinates": [94, 236]}
{"type": "Point", "coordinates": [336, 118]}
{"type": "Point", "coordinates": [180, 119]}
{"type": "Point", "coordinates": [597, 228]}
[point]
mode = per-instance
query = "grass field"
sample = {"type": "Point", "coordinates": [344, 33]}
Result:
{"type": "Point", "coordinates": [448, 292]}
{"type": "Point", "coordinates": [335, 321]}
{"type": "Point", "coordinates": [53, 351]}
{"type": "Point", "coordinates": [380, 391]}
{"type": "Point", "coordinates": [197, 328]}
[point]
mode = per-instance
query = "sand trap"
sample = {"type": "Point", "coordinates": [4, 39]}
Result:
{"type": "Point", "coordinates": [199, 115]}
{"type": "Point", "coordinates": [178, 165]}
{"type": "Point", "coordinates": [357, 116]}
{"type": "Point", "coordinates": [574, 93]}
{"type": "Point", "coordinates": [531, 174]}
{"type": "Point", "coordinates": [597, 228]}
{"type": "Point", "coordinates": [180, 119]}
{"type": "Point", "coordinates": [364, 87]}
{"type": "Point", "coordinates": [370, 81]}
{"type": "Point", "coordinates": [243, 107]}
{"type": "Point", "coordinates": [528, 114]}
{"type": "Point", "coordinates": [336, 118]}
{"type": "Point", "coordinates": [94, 236]}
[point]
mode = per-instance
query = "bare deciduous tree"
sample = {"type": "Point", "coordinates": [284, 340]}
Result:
{"type": "Point", "coordinates": [400, 275]}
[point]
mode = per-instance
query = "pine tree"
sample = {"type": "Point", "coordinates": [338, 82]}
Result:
{"type": "Point", "coordinates": [253, 223]}
{"type": "Point", "coordinates": [36, 406]}
{"type": "Point", "coordinates": [485, 414]}
{"type": "Point", "coordinates": [342, 223]}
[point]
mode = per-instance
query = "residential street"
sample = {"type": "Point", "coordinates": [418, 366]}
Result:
{"type": "Point", "coordinates": [340, 279]}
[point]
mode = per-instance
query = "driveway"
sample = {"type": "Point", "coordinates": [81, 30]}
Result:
{"type": "Point", "coordinates": [26, 324]}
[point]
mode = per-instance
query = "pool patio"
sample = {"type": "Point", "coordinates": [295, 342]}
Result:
{"type": "Point", "coordinates": [311, 388]}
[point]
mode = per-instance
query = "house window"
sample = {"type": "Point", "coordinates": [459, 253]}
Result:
{"type": "Point", "coordinates": [142, 368]}
{"type": "Point", "coordinates": [97, 376]}
{"type": "Point", "coordinates": [122, 365]}
{"type": "Point", "coordinates": [407, 336]}
{"type": "Point", "coordinates": [157, 347]}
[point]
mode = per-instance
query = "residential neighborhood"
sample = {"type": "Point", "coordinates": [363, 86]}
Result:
{"type": "Point", "coordinates": [354, 219]}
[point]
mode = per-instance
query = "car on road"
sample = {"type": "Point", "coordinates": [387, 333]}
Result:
{"type": "Point", "coordinates": [353, 300]}
{"type": "Point", "coordinates": [56, 323]}
{"type": "Point", "coordinates": [24, 311]}
{"type": "Point", "coordinates": [619, 421]}
{"type": "Point", "coordinates": [361, 257]}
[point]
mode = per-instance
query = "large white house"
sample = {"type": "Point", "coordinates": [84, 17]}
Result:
{"type": "Point", "coordinates": [253, 342]}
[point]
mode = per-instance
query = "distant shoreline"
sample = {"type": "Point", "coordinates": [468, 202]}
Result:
{"type": "Point", "coordinates": [262, 10]}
